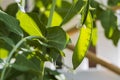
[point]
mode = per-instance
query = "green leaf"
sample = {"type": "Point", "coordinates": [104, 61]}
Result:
{"type": "Point", "coordinates": [83, 42]}
{"type": "Point", "coordinates": [45, 3]}
{"type": "Point", "coordinates": [4, 49]}
{"type": "Point", "coordinates": [12, 74]}
{"type": "Point", "coordinates": [26, 63]}
{"type": "Point", "coordinates": [39, 5]}
{"type": "Point", "coordinates": [28, 24]}
{"type": "Point", "coordinates": [59, 3]}
{"type": "Point", "coordinates": [56, 20]}
{"type": "Point", "coordinates": [3, 29]}
{"type": "Point", "coordinates": [11, 23]}
{"type": "Point", "coordinates": [116, 36]}
{"type": "Point", "coordinates": [3, 52]}
{"type": "Point", "coordinates": [54, 53]}
{"type": "Point", "coordinates": [75, 1]}
{"type": "Point", "coordinates": [74, 9]}
{"type": "Point", "coordinates": [47, 52]}
{"type": "Point", "coordinates": [98, 9]}
{"type": "Point", "coordinates": [109, 22]}
{"type": "Point", "coordinates": [12, 9]}
{"type": "Point", "coordinates": [8, 40]}
{"type": "Point", "coordinates": [29, 63]}
{"type": "Point", "coordinates": [63, 10]}
{"type": "Point", "coordinates": [85, 12]}
{"type": "Point", "coordinates": [113, 2]}
{"type": "Point", "coordinates": [57, 37]}
{"type": "Point", "coordinates": [39, 23]}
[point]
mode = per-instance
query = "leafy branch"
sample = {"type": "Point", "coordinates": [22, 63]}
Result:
{"type": "Point", "coordinates": [13, 51]}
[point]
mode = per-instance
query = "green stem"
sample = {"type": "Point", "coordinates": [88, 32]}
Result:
{"type": "Point", "coordinates": [12, 52]}
{"type": "Point", "coordinates": [51, 13]}
{"type": "Point", "coordinates": [42, 67]}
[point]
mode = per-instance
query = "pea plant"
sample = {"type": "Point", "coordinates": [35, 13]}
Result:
{"type": "Point", "coordinates": [30, 38]}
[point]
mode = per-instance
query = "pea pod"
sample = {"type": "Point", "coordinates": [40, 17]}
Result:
{"type": "Point", "coordinates": [83, 42]}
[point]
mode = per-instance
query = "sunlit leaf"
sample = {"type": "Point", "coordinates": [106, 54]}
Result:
{"type": "Point", "coordinates": [56, 21]}
{"type": "Point", "coordinates": [38, 21]}
{"type": "Point", "coordinates": [3, 49]}
{"type": "Point", "coordinates": [75, 1]}
{"type": "Point", "coordinates": [83, 42]}
{"type": "Point", "coordinates": [3, 53]}
{"type": "Point", "coordinates": [11, 23]}
{"type": "Point", "coordinates": [28, 24]}
{"type": "Point", "coordinates": [59, 3]}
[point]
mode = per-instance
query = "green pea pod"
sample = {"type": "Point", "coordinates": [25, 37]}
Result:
{"type": "Point", "coordinates": [83, 42]}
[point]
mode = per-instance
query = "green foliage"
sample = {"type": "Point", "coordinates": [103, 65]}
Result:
{"type": "Point", "coordinates": [113, 3]}
{"type": "Point", "coordinates": [56, 18]}
{"type": "Point", "coordinates": [107, 16]}
{"type": "Point", "coordinates": [12, 9]}
{"type": "Point", "coordinates": [10, 23]}
{"type": "Point", "coordinates": [74, 9]}
{"type": "Point", "coordinates": [25, 62]}
{"type": "Point", "coordinates": [3, 49]}
{"type": "Point", "coordinates": [84, 12]}
{"type": "Point", "coordinates": [54, 40]}
{"type": "Point", "coordinates": [35, 37]}
{"type": "Point", "coordinates": [109, 22]}
{"type": "Point", "coordinates": [8, 40]}
{"type": "Point", "coordinates": [28, 24]}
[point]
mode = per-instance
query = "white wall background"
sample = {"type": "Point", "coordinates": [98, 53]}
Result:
{"type": "Point", "coordinates": [5, 2]}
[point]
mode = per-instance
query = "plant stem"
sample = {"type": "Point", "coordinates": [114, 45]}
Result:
{"type": "Point", "coordinates": [51, 13]}
{"type": "Point", "coordinates": [42, 67]}
{"type": "Point", "coordinates": [12, 52]}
